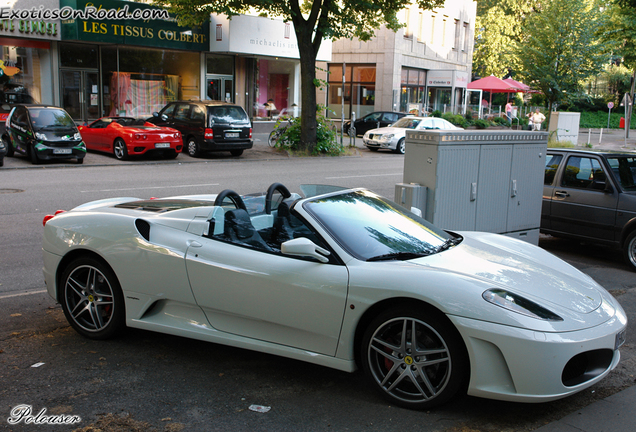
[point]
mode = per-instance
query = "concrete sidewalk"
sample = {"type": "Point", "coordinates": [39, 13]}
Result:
{"type": "Point", "coordinates": [607, 139]}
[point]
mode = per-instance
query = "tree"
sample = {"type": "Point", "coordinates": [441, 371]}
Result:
{"type": "Point", "coordinates": [561, 47]}
{"type": "Point", "coordinates": [313, 21]}
{"type": "Point", "coordinates": [498, 29]}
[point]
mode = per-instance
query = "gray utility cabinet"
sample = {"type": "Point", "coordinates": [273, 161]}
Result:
{"type": "Point", "coordinates": [479, 180]}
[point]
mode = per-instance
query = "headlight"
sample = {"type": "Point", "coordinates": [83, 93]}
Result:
{"type": "Point", "coordinates": [516, 303]}
{"type": "Point", "coordinates": [387, 137]}
{"type": "Point", "coordinates": [77, 136]}
{"type": "Point", "coordinates": [40, 136]}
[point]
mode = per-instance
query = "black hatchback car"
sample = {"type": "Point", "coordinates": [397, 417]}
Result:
{"type": "Point", "coordinates": [43, 132]}
{"type": "Point", "coordinates": [374, 120]}
{"type": "Point", "coordinates": [208, 126]}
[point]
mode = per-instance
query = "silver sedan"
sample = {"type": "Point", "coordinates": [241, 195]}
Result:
{"type": "Point", "coordinates": [393, 137]}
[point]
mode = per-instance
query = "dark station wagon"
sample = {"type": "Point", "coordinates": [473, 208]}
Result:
{"type": "Point", "coordinates": [591, 196]}
{"type": "Point", "coordinates": [208, 126]}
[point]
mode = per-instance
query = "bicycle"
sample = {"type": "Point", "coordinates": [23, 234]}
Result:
{"type": "Point", "coordinates": [275, 135]}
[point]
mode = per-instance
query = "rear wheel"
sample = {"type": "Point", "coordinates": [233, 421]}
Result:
{"type": "Point", "coordinates": [193, 147]}
{"type": "Point", "coordinates": [92, 299]}
{"type": "Point", "coordinates": [401, 147]}
{"type": "Point", "coordinates": [120, 150]}
{"type": "Point", "coordinates": [414, 357]}
{"type": "Point", "coordinates": [236, 152]}
{"type": "Point", "coordinates": [629, 250]}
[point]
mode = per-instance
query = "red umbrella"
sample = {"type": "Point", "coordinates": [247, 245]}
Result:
{"type": "Point", "coordinates": [493, 84]}
{"type": "Point", "coordinates": [521, 86]}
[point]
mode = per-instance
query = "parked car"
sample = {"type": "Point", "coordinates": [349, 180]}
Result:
{"type": "Point", "coordinates": [43, 132]}
{"type": "Point", "coordinates": [373, 120]}
{"type": "Point", "coordinates": [127, 136]}
{"type": "Point", "coordinates": [208, 126]}
{"type": "Point", "coordinates": [342, 278]}
{"type": "Point", "coordinates": [591, 196]}
{"type": "Point", "coordinates": [394, 136]}
{"type": "Point", "coordinates": [3, 151]}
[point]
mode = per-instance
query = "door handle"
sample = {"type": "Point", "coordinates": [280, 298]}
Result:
{"type": "Point", "coordinates": [193, 243]}
{"type": "Point", "coordinates": [561, 194]}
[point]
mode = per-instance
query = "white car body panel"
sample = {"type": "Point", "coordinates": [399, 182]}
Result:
{"type": "Point", "coordinates": [182, 283]}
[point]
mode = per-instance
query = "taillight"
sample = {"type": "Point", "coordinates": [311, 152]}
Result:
{"type": "Point", "coordinates": [49, 217]}
{"type": "Point", "coordinates": [250, 132]}
{"type": "Point", "coordinates": [140, 137]}
{"type": "Point", "coordinates": [209, 133]}
{"type": "Point", "coordinates": [177, 135]}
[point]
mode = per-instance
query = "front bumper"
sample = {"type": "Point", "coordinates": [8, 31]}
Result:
{"type": "Point", "coordinates": [378, 144]}
{"type": "Point", "coordinates": [46, 152]}
{"type": "Point", "coordinates": [520, 365]}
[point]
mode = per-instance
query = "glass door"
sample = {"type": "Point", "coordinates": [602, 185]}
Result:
{"type": "Point", "coordinates": [80, 94]}
{"type": "Point", "coordinates": [220, 88]}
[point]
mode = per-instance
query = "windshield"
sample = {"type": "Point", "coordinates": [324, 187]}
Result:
{"type": "Point", "coordinates": [624, 168]}
{"type": "Point", "coordinates": [50, 119]}
{"type": "Point", "coordinates": [371, 227]}
{"type": "Point", "coordinates": [407, 123]}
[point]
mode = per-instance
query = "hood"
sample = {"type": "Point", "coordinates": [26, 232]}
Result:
{"type": "Point", "coordinates": [522, 268]}
{"type": "Point", "coordinates": [60, 134]}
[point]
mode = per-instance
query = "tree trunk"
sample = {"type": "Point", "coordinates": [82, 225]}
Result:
{"type": "Point", "coordinates": [308, 51]}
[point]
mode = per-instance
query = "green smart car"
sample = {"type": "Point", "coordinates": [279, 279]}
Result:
{"type": "Point", "coordinates": [41, 133]}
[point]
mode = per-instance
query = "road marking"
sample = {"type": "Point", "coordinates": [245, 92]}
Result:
{"type": "Point", "coordinates": [21, 294]}
{"type": "Point", "coordinates": [149, 187]}
{"type": "Point", "coordinates": [362, 176]}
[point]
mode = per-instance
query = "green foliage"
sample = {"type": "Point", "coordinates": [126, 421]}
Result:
{"type": "Point", "coordinates": [436, 113]}
{"type": "Point", "coordinates": [501, 121]}
{"type": "Point", "coordinates": [326, 135]}
{"type": "Point", "coordinates": [481, 124]}
{"type": "Point", "coordinates": [456, 119]}
{"type": "Point", "coordinates": [598, 119]}
{"type": "Point", "coordinates": [561, 47]}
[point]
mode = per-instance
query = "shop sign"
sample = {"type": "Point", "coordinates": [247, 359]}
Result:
{"type": "Point", "coordinates": [159, 32]}
{"type": "Point", "coordinates": [439, 78]}
{"type": "Point", "coordinates": [18, 20]}
{"type": "Point", "coordinates": [245, 34]}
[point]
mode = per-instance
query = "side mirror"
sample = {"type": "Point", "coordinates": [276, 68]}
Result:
{"type": "Point", "coordinates": [164, 117]}
{"type": "Point", "coordinates": [302, 246]}
{"type": "Point", "coordinates": [155, 114]}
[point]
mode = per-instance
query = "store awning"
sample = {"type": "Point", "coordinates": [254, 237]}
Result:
{"type": "Point", "coordinates": [493, 85]}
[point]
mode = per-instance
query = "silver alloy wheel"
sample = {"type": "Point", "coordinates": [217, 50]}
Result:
{"type": "Point", "coordinates": [401, 146]}
{"type": "Point", "coordinates": [409, 360]}
{"type": "Point", "coordinates": [630, 249]}
{"type": "Point", "coordinates": [119, 149]}
{"type": "Point", "coordinates": [193, 147]}
{"type": "Point", "coordinates": [89, 298]}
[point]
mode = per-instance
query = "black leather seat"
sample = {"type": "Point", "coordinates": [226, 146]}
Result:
{"type": "Point", "coordinates": [288, 226]}
{"type": "Point", "coordinates": [238, 229]}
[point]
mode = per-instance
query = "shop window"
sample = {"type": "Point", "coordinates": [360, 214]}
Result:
{"type": "Point", "coordinates": [358, 93]}
{"type": "Point", "coordinates": [219, 64]}
{"type": "Point", "coordinates": [140, 81]}
{"type": "Point", "coordinates": [412, 91]}
{"type": "Point", "coordinates": [272, 95]}
{"type": "Point", "coordinates": [79, 56]}
{"type": "Point", "coordinates": [22, 73]}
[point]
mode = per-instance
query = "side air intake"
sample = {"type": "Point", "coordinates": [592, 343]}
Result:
{"type": "Point", "coordinates": [143, 228]}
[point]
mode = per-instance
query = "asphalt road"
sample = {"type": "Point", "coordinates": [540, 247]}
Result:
{"type": "Point", "coordinates": [147, 381]}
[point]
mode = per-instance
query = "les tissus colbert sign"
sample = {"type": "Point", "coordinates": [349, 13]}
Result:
{"type": "Point", "coordinates": [159, 33]}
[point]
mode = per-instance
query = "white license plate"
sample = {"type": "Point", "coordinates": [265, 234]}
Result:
{"type": "Point", "coordinates": [620, 339]}
{"type": "Point", "coordinates": [162, 145]}
{"type": "Point", "coordinates": [62, 151]}
{"type": "Point", "coordinates": [232, 135]}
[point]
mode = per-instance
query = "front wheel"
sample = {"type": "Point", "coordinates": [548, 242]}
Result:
{"type": "Point", "coordinates": [92, 299]}
{"type": "Point", "coordinates": [400, 148]}
{"type": "Point", "coordinates": [34, 156]}
{"type": "Point", "coordinates": [629, 250]}
{"type": "Point", "coordinates": [273, 138]}
{"type": "Point", "coordinates": [414, 357]}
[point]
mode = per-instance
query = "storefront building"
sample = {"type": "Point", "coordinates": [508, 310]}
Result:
{"type": "Point", "coordinates": [128, 67]}
{"type": "Point", "coordinates": [266, 69]}
{"type": "Point", "coordinates": [423, 67]}
{"type": "Point", "coordinates": [28, 49]}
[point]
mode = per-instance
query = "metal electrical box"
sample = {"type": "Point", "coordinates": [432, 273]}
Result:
{"type": "Point", "coordinates": [480, 180]}
{"type": "Point", "coordinates": [411, 196]}
{"type": "Point", "coordinates": [565, 126]}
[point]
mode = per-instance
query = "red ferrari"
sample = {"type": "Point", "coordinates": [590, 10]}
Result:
{"type": "Point", "coordinates": [127, 136]}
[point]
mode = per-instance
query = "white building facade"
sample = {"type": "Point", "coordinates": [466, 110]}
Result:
{"type": "Point", "coordinates": [422, 67]}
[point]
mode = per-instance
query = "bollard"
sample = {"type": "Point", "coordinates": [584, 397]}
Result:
{"type": "Point", "coordinates": [600, 137]}
{"type": "Point", "coordinates": [589, 136]}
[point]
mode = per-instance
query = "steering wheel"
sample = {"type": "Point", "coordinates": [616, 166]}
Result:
{"type": "Point", "coordinates": [270, 193]}
{"type": "Point", "coordinates": [233, 196]}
